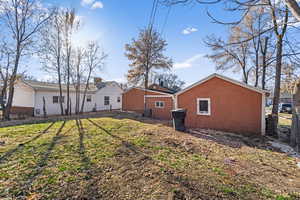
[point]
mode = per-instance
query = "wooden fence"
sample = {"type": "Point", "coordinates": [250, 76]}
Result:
{"type": "Point", "coordinates": [295, 133]}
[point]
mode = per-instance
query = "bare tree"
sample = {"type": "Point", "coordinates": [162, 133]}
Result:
{"type": "Point", "coordinates": [280, 31]}
{"type": "Point", "coordinates": [170, 81]}
{"type": "Point", "coordinates": [279, 15]}
{"type": "Point", "coordinates": [23, 20]}
{"type": "Point", "coordinates": [77, 73]}
{"type": "Point", "coordinates": [5, 72]}
{"type": "Point", "coordinates": [52, 50]}
{"type": "Point", "coordinates": [94, 61]}
{"type": "Point", "coordinates": [290, 76]}
{"type": "Point", "coordinates": [235, 56]}
{"type": "Point", "coordinates": [70, 25]}
{"type": "Point", "coordinates": [291, 4]}
{"type": "Point", "coordinates": [146, 54]}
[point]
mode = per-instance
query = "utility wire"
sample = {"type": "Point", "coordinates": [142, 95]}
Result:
{"type": "Point", "coordinates": [166, 20]}
{"type": "Point", "coordinates": [153, 13]}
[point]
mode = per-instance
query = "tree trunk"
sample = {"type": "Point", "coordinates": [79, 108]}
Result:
{"type": "Point", "coordinates": [85, 91]}
{"type": "Point", "coordinates": [146, 87]}
{"type": "Point", "coordinates": [68, 92]}
{"type": "Point", "coordinates": [264, 50]}
{"type": "Point", "coordinates": [245, 75]}
{"type": "Point", "coordinates": [12, 84]}
{"type": "Point", "coordinates": [44, 108]}
{"type": "Point", "coordinates": [256, 68]}
{"type": "Point", "coordinates": [294, 8]}
{"type": "Point", "coordinates": [60, 94]}
{"type": "Point", "coordinates": [4, 93]}
{"type": "Point", "coordinates": [263, 78]}
{"type": "Point", "coordinates": [276, 97]}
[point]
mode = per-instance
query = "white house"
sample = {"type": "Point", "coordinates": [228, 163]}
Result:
{"type": "Point", "coordinates": [28, 97]}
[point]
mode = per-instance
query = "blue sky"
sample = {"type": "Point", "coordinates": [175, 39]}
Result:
{"type": "Point", "coordinates": [115, 22]}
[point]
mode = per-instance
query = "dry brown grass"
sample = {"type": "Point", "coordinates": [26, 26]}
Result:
{"type": "Point", "coordinates": [122, 158]}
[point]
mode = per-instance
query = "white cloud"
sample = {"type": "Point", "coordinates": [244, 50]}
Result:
{"type": "Point", "coordinates": [87, 2]}
{"type": "Point", "coordinates": [97, 4]}
{"type": "Point", "coordinates": [189, 62]}
{"type": "Point", "coordinates": [92, 4]}
{"type": "Point", "coordinates": [189, 30]}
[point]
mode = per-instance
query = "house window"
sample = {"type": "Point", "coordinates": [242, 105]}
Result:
{"type": "Point", "coordinates": [38, 111]}
{"type": "Point", "coordinates": [106, 100]}
{"type": "Point", "coordinates": [89, 98]}
{"type": "Point", "coordinates": [119, 99]}
{"type": "Point", "coordinates": [56, 98]}
{"type": "Point", "coordinates": [203, 106]}
{"type": "Point", "coordinates": [159, 104]}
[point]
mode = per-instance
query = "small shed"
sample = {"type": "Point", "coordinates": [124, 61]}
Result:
{"type": "Point", "coordinates": [220, 103]}
{"type": "Point", "coordinates": [160, 103]}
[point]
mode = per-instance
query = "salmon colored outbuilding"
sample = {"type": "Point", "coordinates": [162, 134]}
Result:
{"type": "Point", "coordinates": [216, 102]}
{"type": "Point", "coordinates": [134, 100]}
{"type": "Point", "coordinates": [228, 105]}
{"type": "Point", "coordinates": [161, 106]}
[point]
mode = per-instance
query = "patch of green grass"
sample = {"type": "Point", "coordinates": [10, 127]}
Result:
{"type": "Point", "coordinates": [140, 141]}
{"type": "Point", "coordinates": [219, 171]}
{"type": "Point", "coordinates": [285, 119]}
{"type": "Point", "coordinates": [283, 197]}
{"type": "Point", "coordinates": [229, 190]}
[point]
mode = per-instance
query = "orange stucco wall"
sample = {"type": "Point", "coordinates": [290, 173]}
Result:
{"type": "Point", "coordinates": [233, 108]}
{"type": "Point", "coordinates": [133, 100]}
{"type": "Point", "coordinates": [160, 113]}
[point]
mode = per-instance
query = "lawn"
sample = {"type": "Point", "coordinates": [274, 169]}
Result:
{"type": "Point", "coordinates": [285, 119]}
{"type": "Point", "coordinates": [122, 158]}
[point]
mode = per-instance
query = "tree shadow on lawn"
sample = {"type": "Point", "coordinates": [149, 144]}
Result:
{"type": "Point", "coordinates": [141, 162]}
{"type": "Point", "coordinates": [21, 145]}
{"type": "Point", "coordinates": [90, 170]}
{"type": "Point", "coordinates": [42, 163]}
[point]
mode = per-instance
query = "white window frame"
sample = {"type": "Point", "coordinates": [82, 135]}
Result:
{"type": "Point", "coordinates": [209, 106]}
{"type": "Point", "coordinates": [159, 102]}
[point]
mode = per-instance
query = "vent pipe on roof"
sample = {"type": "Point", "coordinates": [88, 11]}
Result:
{"type": "Point", "coordinates": [161, 83]}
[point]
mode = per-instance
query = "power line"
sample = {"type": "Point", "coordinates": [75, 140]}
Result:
{"type": "Point", "coordinates": [153, 13]}
{"type": "Point", "coordinates": [166, 20]}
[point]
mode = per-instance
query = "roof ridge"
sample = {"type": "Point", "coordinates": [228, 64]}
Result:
{"type": "Point", "coordinates": [259, 90]}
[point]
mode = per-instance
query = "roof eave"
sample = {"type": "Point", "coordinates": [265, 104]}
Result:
{"type": "Point", "coordinates": [224, 78]}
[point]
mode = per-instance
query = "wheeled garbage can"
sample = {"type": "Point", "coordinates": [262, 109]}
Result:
{"type": "Point", "coordinates": [178, 119]}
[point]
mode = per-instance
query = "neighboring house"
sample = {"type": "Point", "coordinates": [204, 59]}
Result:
{"type": "Point", "coordinates": [28, 97]}
{"type": "Point", "coordinates": [160, 103]}
{"type": "Point", "coordinates": [285, 97]}
{"type": "Point", "coordinates": [108, 96]}
{"type": "Point", "coordinates": [216, 102]}
{"type": "Point", "coordinates": [160, 88]}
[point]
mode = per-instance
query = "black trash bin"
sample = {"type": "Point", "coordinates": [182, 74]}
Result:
{"type": "Point", "coordinates": [147, 113]}
{"type": "Point", "coordinates": [178, 119]}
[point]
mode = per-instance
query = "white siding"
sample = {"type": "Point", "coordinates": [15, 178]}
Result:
{"type": "Point", "coordinates": [23, 95]}
{"type": "Point", "coordinates": [113, 91]}
{"type": "Point", "coordinates": [54, 108]}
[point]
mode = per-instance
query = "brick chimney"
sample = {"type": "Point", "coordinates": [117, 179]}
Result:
{"type": "Point", "coordinates": [97, 80]}
{"type": "Point", "coordinates": [161, 83]}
